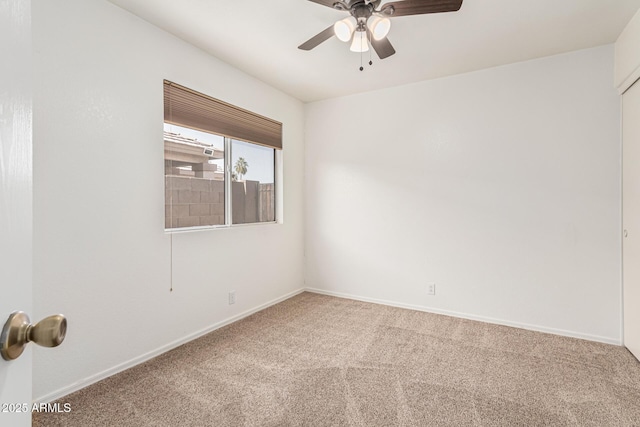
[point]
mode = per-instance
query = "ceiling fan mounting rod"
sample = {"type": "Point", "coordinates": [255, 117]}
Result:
{"type": "Point", "coordinates": [359, 9]}
{"type": "Point", "coordinates": [362, 11]}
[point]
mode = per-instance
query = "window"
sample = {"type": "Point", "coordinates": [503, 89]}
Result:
{"type": "Point", "coordinates": [253, 188]}
{"type": "Point", "coordinates": [194, 178]}
{"type": "Point", "coordinates": [219, 162]}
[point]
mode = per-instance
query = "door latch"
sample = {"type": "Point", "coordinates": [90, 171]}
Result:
{"type": "Point", "coordinates": [18, 332]}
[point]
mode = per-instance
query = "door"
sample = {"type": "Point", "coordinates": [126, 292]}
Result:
{"type": "Point", "coordinates": [15, 198]}
{"type": "Point", "coordinates": [631, 217]}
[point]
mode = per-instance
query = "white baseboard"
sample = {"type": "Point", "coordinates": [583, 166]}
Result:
{"type": "Point", "coordinates": [55, 395]}
{"type": "Point", "coordinates": [536, 328]}
{"type": "Point", "coordinates": [150, 355]}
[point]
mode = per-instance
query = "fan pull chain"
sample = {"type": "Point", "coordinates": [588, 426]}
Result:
{"type": "Point", "coordinates": [361, 67]}
{"type": "Point", "coordinates": [370, 48]}
{"type": "Point", "coordinates": [361, 50]}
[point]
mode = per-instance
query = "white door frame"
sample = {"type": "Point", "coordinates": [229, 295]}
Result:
{"type": "Point", "coordinates": [631, 218]}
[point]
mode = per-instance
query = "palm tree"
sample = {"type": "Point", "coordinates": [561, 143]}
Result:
{"type": "Point", "coordinates": [241, 167]}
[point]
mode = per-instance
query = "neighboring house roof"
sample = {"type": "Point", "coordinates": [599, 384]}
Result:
{"type": "Point", "coordinates": [189, 150]}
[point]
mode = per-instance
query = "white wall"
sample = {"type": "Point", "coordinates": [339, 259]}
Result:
{"type": "Point", "coordinates": [627, 69]}
{"type": "Point", "coordinates": [107, 263]}
{"type": "Point", "coordinates": [501, 186]}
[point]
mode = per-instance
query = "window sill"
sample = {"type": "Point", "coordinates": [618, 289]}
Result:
{"type": "Point", "coordinates": [216, 227]}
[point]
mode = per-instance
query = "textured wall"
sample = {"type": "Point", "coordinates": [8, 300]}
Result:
{"type": "Point", "coordinates": [501, 186]}
{"type": "Point", "coordinates": [107, 262]}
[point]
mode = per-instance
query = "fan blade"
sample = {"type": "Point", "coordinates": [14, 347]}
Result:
{"type": "Point", "coordinates": [317, 39]}
{"type": "Point", "coordinates": [382, 47]}
{"type": "Point", "coordinates": [420, 7]}
{"type": "Point", "coordinates": [328, 3]}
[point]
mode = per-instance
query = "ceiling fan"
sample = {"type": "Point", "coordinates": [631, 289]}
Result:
{"type": "Point", "coordinates": [370, 23]}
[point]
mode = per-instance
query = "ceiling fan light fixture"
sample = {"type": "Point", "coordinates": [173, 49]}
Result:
{"type": "Point", "coordinates": [359, 43]}
{"type": "Point", "coordinates": [379, 27]}
{"type": "Point", "coordinates": [370, 22]}
{"type": "Point", "coordinates": [344, 29]}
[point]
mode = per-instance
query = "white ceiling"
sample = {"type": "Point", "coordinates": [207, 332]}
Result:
{"type": "Point", "coordinates": [260, 37]}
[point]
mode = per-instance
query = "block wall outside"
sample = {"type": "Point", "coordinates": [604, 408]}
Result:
{"type": "Point", "coordinates": [248, 204]}
{"type": "Point", "coordinates": [267, 203]}
{"type": "Point", "coordinates": [193, 201]}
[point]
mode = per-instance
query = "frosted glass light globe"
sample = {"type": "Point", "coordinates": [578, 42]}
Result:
{"type": "Point", "coordinates": [344, 29]}
{"type": "Point", "coordinates": [379, 27]}
{"type": "Point", "coordinates": [359, 43]}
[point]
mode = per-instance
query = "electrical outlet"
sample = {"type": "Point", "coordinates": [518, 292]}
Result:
{"type": "Point", "coordinates": [232, 297]}
{"type": "Point", "coordinates": [431, 288]}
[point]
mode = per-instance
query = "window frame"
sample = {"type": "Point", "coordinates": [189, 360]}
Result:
{"type": "Point", "coordinates": [190, 109]}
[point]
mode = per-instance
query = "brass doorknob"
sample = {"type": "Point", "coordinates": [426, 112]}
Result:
{"type": "Point", "coordinates": [18, 332]}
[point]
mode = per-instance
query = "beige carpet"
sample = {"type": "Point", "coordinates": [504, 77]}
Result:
{"type": "Point", "coordinates": [315, 360]}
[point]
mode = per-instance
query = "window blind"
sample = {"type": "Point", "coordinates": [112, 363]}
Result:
{"type": "Point", "coordinates": [188, 108]}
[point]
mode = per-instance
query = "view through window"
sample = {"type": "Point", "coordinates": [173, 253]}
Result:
{"type": "Point", "coordinates": [253, 188]}
{"type": "Point", "coordinates": [195, 176]}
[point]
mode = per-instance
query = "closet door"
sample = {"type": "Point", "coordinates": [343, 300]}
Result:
{"type": "Point", "coordinates": [631, 217]}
